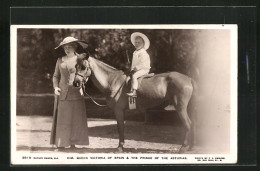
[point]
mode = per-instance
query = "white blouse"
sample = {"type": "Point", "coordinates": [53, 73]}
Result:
{"type": "Point", "coordinates": [70, 64]}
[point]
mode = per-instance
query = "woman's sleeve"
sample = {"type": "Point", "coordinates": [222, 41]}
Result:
{"type": "Point", "coordinates": [56, 75]}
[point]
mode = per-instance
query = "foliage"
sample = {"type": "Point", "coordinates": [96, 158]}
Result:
{"type": "Point", "coordinates": [170, 50]}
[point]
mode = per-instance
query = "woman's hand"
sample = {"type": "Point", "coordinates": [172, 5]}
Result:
{"type": "Point", "coordinates": [57, 90]}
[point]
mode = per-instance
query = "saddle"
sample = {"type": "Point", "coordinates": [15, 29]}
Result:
{"type": "Point", "coordinates": [140, 79]}
{"type": "Point", "coordinates": [145, 76]}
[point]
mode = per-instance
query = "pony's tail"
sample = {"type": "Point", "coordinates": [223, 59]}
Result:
{"type": "Point", "coordinates": [192, 110]}
{"type": "Point", "coordinates": [195, 92]}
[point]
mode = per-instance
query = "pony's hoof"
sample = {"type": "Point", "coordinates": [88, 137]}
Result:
{"type": "Point", "coordinates": [120, 149]}
{"type": "Point", "coordinates": [191, 147]}
{"type": "Point", "coordinates": [174, 150]}
{"type": "Point", "coordinates": [183, 149]}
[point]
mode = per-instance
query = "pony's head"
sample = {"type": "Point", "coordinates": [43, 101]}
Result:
{"type": "Point", "coordinates": [83, 70]}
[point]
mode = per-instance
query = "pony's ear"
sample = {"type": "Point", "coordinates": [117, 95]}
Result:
{"type": "Point", "coordinates": [88, 54]}
{"type": "Point", "coordinates": [95, 56]}
{"type": "Point", "coordinates": [85, 64]}
{"type": "Point", "coordinates": [80, 57]}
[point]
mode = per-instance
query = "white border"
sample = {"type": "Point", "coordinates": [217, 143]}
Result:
{"type": "Point", "coordinates": [191, 158]}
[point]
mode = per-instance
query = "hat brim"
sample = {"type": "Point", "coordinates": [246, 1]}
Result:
{"type": "Point", "coordinates": [80, 42]}
{"type": "Point", "coordinates": [144, 37]}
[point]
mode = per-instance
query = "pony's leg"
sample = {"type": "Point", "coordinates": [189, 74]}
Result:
{"type": "Point", "coordinates": [187, 124]}
{"type": "Point", "coordinates": [193, 130]}
{"type": "Point", "coordinates": [146, 117]}
{"type": "Point", "coordinates": [120, 126]}
{"type": "Point", "coordinates": [192, 111]}
{"type": "Point", "coordinates": [182, 111]}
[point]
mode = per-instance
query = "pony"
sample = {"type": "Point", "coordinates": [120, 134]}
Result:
{"type": "Point", "coordinates": [173, 88]}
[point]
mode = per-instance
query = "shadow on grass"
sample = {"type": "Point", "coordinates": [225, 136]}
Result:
{"type": "Point", "coordinates": [138, 131]}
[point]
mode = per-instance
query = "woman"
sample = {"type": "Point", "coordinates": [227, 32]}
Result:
{"type": "Point", "coordinates": [70, 126]}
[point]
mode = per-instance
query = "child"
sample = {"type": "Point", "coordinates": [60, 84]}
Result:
{"type": "Point", "coordinates": [141, 60]}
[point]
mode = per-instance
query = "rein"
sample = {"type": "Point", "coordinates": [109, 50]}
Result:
{"type": "Point", "coordinates": [84, 91]}
{"type": "Point", "coordinates": [91, 98]}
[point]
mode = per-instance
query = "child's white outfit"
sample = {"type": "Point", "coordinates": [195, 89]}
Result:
{"type": "Point", "coordinates": [140, 61]}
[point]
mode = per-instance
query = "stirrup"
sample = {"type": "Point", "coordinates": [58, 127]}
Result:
{"type": "Point", "coordinates": [132, 94]}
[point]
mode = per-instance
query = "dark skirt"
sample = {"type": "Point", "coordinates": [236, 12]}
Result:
{"type": "Point", "coordinates": [71, 127]}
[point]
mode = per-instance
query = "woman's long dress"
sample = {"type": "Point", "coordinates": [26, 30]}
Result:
{"type": "Point", "coordinates": [71, 126]}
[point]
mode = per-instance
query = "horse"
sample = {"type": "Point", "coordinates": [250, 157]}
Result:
{"type": "Point", "coordinates": [173, 88]}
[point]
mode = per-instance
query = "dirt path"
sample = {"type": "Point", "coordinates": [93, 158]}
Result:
{"type": "Point", "coordinates": [33, 133]}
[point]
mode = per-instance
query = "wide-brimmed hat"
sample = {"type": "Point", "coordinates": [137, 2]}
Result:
{"type": "Point", "coordinates": [72, 39]}
{"type": "Point", "coordinates": [144, 37]}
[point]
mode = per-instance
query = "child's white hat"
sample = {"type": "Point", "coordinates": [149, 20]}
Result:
{"type": "Point", "coordinates": [144, 37]}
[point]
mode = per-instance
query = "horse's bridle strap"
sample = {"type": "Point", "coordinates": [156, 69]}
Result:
{"type": "Point", "coordinates": [81, 75]}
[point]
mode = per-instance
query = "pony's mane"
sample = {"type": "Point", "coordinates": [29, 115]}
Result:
{"type": "Point", "coordinates": [105, 64]}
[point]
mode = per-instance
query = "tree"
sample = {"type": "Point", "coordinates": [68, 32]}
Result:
{"type": "Point", "coordinates": [170, 50]}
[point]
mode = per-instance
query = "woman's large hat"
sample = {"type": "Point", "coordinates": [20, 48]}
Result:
{"type": "Point", "coordinates": [72, 39]}
{"type": "Point", "coordinates": [144, 37]}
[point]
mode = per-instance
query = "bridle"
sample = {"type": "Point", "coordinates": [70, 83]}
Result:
{"type": "Point", "coordinates": [82, 76]}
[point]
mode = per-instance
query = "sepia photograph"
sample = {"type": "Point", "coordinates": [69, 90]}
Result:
{"type": "Point", "coordinates": [123, 94]}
